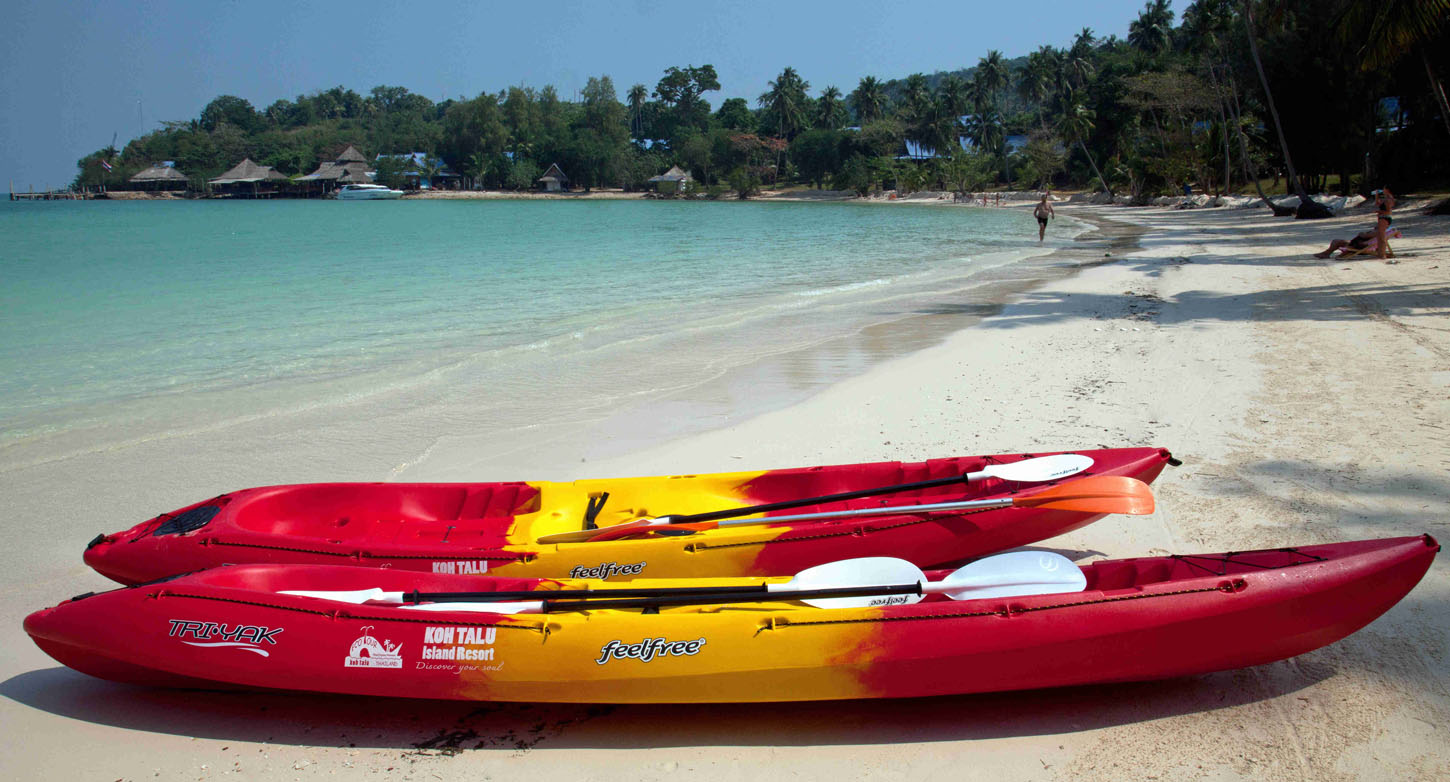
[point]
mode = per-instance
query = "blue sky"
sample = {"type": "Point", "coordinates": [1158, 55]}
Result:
{"type": "Point", "coordinates": [76, 72]}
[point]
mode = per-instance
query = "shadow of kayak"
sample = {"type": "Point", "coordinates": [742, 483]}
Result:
{"type": "Point", "coordinates": [446, 727]}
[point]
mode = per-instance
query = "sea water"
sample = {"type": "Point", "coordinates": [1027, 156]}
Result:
{"type": "Point", "coordinates": [127, 321]}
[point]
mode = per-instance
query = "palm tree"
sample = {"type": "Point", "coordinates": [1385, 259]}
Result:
{"type": "Point", "coordinates": [1077, 64]}
{"type": "Point", "coordinates": [985, 129]}
{"type": "Point", "coordinates": [1076, 125]}
{"type": "Point", "coordinates": [1035, 81]}
{"type": "Point", "coordinates": [956, 96]}
{"type": "Point", "coordinates": [786, 101]}
{"type": "Point", "coordinates": [478, 167]}
{"type": "Point", "coordinates": [636, 98]}
{"type": "Point", "coordinates": [992, 71]}
{"type": "Point", "coordinates": [1205, 24]}
{"type": "Point", "coordinates": [830, 110]}
{"type": "Point", "coordinates": [1388, 29]}
{"type": "Point", "coordinates": [1304, 202]}
{"type": "Point", "coordinates": [869, 100]}
{"type": "Point", "coordinates": [428, 169]}
{"type": "Point", "coordinates": [915, 94]}
{"type": "Point", "coordinates": [936, 129]}
{"type": "Point", "coordinates": [1152, 31]}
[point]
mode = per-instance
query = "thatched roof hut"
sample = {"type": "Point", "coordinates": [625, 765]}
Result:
{"type": "Point", "coordinates": [247, 172]}
{"type": "Point", "coordinates": [672, 181]}
{"type": "Point", "coordinates": [160, 176]}
{"type": "Point", "coordinates": [246, 179]}
{"type": "Point", "coordinates": [554, 178]}
{"type": "Point", "coordinates": [349, 168]}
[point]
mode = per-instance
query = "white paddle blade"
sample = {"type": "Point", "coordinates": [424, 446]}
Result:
{"type": "Point", "coordinates": [1043, 468]}
{"type": "Point", "coordinates": [356, 597]}
{"type": "Point", "coordinates": [1009, 575]}
{"type": "Point", "coordinates": [865, 571]}
{"type": "Point", "coordinates": [522, 606]}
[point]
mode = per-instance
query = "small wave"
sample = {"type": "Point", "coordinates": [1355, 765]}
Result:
{"type": "Point", "coordinates": [846, 288]}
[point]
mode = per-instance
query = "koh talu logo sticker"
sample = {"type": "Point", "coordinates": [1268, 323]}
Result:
{"type": "Point", "coordinates": [248, 637]}
{"type": "Point", "coordinates": [648, 649]}
{"type": "Point", "coordinates": [607, 569]}
{"type": "Point", "coordinates": [469, 567]}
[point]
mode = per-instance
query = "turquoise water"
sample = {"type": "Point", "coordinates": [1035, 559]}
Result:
{"type": "Point", "coordinates": [138, 316]}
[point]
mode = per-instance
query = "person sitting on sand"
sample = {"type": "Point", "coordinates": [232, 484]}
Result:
{"type": "Point", "coordinates": [1360, 241]}
{"type": "Point", "coordinates": [1364, 240]}
{"type": "Point", "coordinates": [1043, 211]}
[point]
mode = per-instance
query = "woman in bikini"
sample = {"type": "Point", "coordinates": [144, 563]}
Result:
{"type": "Point", "coordinates": [1384, 204]}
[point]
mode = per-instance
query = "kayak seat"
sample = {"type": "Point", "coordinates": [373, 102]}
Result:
{"type": "Point", "coordinates": [500, 499]}
{"type": "Point", "coordinates": [381, 513]}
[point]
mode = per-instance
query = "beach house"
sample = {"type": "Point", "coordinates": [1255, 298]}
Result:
{"type": "Point", "coordinates": [349, 168]}
{"type": "Point", "coordinates": [247, 180]}
{"type": "Point", "coordinates": [160, 176]}
{"type": "Point", "coordinates": [554, 180]}
{"type": "Point", "coordinates": [676, 180]}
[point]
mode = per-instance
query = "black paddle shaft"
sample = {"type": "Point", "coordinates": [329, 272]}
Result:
{"type": "Point", "coordinates": [591, 594]}
{"type": "Point", "coordinates": [731, 513]}
{"type": "Point", "coordinates": [728, 597]}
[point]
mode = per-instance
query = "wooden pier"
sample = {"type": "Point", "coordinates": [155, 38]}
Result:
{"type": "Point", "coordinates": [52, 195]}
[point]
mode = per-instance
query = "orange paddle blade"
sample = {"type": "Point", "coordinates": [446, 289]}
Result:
{"type": "Point", "coordinates": [1096, 494]}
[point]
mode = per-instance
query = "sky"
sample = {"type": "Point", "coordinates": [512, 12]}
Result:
{"type": "Point", "coordinates": [75, 73]}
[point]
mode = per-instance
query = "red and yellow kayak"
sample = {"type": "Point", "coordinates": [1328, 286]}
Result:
{"type": "Point", "coordinates": [1137, 619]}
{"type": "Point", "coordinates": [495, 528]}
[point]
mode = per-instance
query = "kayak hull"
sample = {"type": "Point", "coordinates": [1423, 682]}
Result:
{"type": "Point", "coordinates": [492, 528]}
{"type": "Point", "coordinates": [1139, 619]}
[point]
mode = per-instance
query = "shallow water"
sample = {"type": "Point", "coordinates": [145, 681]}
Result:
{"type": "Point", "coordinates": [126, 321]}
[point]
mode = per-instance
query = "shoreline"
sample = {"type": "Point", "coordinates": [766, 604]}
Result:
{"type": "Point", "coordinates": [768, 384]}
{"type": "Point", "coordinates": [1268, 371]}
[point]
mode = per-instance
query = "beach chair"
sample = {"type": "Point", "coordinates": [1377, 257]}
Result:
{"type": "Point", "coordinates": [1372, 247]}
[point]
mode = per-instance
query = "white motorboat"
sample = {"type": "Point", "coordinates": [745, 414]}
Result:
{"type": "Point", "coordinates": [367, 193]}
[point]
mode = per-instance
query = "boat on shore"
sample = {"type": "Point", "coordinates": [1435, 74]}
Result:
{"type": "Point", "coordinates": [322, 629]}
{"type": "Point", "coordinates": [365, 192]}
{"type": "Point", "coordinates": [777, 521]}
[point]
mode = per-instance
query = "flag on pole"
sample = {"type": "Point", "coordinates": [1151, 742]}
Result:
{"type": "Point", "coordinates": [105, 165]}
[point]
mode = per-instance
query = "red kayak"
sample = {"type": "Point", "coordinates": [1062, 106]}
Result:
{"type": "Point", "coordinates": [578, 529]}
{"type": "Point", "coordinates": [1123, 620]}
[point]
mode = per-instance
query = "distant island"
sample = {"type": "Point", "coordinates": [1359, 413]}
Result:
{"type": "Point", "coordinates": [1316, 96]}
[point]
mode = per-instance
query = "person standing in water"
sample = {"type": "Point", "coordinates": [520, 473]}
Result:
{"type": "Point", "coordinates": [1043, 211]}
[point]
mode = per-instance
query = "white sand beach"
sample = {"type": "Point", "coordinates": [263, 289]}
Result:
{"type": "Point", "coordinates": [1308, 398]}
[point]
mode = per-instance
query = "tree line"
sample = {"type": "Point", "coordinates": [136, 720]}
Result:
{"type": "Point", "coordinates": [1301, 94]}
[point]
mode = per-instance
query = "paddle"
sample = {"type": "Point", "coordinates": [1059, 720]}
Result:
{"type": "Point", "coordinates": [1037, 470]}
{"type": "Point", "coordinates": [854, 583]}
{"type": "Point", "coordinates": [850, 572]}
{"type": "Point", "coordinates": [1096, 494]}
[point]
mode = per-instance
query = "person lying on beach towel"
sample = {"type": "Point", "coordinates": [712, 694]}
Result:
{"type": "Point", "coordinates": [1364, 241]}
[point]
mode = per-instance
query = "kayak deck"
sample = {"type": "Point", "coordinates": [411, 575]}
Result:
{"type": "Point", "coordinates": [1143, 618]}
{"type": "Point", "coordinates": [495, 527]}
